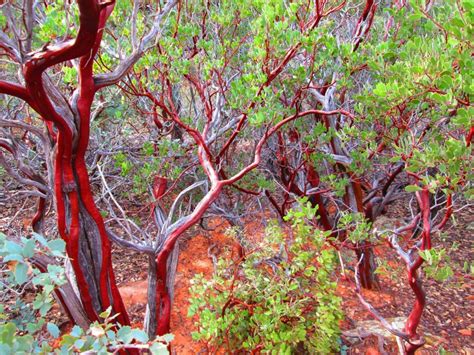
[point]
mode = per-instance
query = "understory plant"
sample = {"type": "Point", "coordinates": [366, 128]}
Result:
{"type": "Point", "coordinates": [21, 322]}
{"type": "Point", "coordinates": [24, 328]}
{"type": "Point", "coordinates": [280, 298]}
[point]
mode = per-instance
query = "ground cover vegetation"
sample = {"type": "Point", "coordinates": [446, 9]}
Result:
{"type": "Point", "coordinates": [133, 124]}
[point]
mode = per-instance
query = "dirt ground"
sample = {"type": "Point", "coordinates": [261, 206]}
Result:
{"type": "Point", "coordinates": [447, 323]}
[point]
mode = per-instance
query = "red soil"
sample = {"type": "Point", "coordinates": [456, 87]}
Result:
{"type": "Point", "coordinates": [394, 300]}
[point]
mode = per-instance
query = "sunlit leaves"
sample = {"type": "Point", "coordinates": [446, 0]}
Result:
{"type": "Point", "coordinates": [279, 305]}
{"type": "Point", "coordinates": [101, 337]}
{"type": "Point", "coordinates": [464, 118]}
{"type": "Point", "coordinates": [70, 75]}
{"type": "Point", "coordinates": [421, 84]}
{"type": "Point", "coordinates": [357, 226]}
{"type": "Point", "coordinates": [437, 261]}
{"type": "Point", "coordinates": [3, 20]}
{"type": "Point", "coordinates": [57, 23]}
{"type": "Point", "coordinates": [22, 272]}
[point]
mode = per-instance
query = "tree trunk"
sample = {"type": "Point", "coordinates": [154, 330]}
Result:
{"type": "Point", "coordinates": [368, 278]}
{"type": "Point", "coordinates": [79, 221]}
{"type": "Point", "coordinates": [158, 313]}
{"type": "Point", "coordinates": [38, 219]}
{"type": "Point", "coordinates": [150, 315]}
{"type": "Point", "coordinates": [166, 262]}
{"type": "Point", "coordinates": [88, 248]}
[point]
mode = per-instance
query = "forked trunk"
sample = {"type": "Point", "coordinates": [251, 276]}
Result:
{"type": "Point", "coordinates": [82, 227]}
{"type": "Point", "coordinates": [91, 261]}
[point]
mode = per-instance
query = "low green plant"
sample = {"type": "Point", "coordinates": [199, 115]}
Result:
{"type": "Point", "coordinates": [104, 338]}
{"type": "Point", "coordinates": [23, 325]}
{"type": "Point", "coordinates": [279, 299]}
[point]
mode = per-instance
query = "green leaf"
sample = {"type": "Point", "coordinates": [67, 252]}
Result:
{"type": "Point", "coordinates": [13, 248]}
{"type": "Point", "coordinates": [139, 335]}
{"type": "Point", "coordinates": [159, 349]}
{"type": "Point", "coordinates": [412, 188]}
{"type": "Point", "coordinates": [444, 273]}
{"type": "Point", "coordinates": [125, 334]}
{"type": "Point", "coordinates": [13, 257]}
{"type": "Point", "coordinates": [5, 349]}
{"type": "Point", "coordinates": [380, 90]}
{"type": "Point", "coordinates": [167, 338]}
{"type": "Point", "coordinates": [57, 245]}
{"type": "Point", "coordinates": [76, 331]}
{"type": "Point", "coordinates": [106, 314]}
{"type": "Point", "coordinates": [3, 20]}
{"type": "Point", "coordinates": [42, 240]}
{"type": "Point", "coordinates": [29, 248]}
{"type": "Point", "coordinates": [427, 255]}
{"type": "Point", "coordinates": [21, 273]}
{"type": "Point", "coordinates": [79, 343]}
{"type": "Point", "coordinates": [7, 332]}
{"type": "Point", "coordinates": [44, 309]}
{"type": "Point", "coordinates": [53, 330]}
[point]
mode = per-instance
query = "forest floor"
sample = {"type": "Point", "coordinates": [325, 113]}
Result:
{"type": "Point", "coordinates": [447, 323]}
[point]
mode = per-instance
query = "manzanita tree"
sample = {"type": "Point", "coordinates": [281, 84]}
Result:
{"type": "Point", "coordinates": [78, 219]}
{"type": "Point", "coordinates": [67, 119]}
{"type": "Point", "coordinates": [224, 77]}
{"type": "Point", "coordinates": [422, 105]}
{"type": "Point", "coordinates": [353, 105]}
{"type": "Point", "coordinates": [410, 135]}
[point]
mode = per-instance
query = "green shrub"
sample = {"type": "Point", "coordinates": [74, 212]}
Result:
{"type": "Point", "coordinates": [20, 327]}
{"type": "Point", "coordinates": [280, 299]}
{"type": "Point", "coordinates": [24, 329]}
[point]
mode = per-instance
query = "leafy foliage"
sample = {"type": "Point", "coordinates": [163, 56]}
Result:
{"type": "Point", "coordinates": [104, 338]}
{"type": "Point", "coordinates": [22, 327]}
{"type": "Point", "coordinates": [193, 106]}
{"type": "Point", "coordinates": [22, 317]}
{"type": "Point", "coordinates": [437, 261]}
{"type": "Point", "coordinates": [277, 300]}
